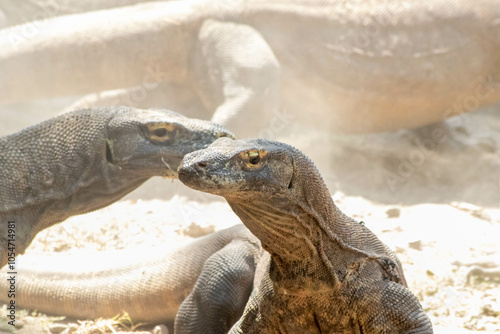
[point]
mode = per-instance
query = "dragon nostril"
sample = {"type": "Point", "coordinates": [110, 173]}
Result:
{"type": "Point", "coordinates": [202, 164]}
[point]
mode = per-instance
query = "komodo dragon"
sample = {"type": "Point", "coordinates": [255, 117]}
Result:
{"type": "Point", "coordinates": [323, 271]}
{"type": "Point", "coordinates": [149, 283]}
{"type": "Point", "coordinates": [85, 160]}
{"type": "Point", "coordinates": [353, 66]}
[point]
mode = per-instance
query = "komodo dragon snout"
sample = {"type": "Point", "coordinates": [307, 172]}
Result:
{"type": "Point", "coordinates": [240, 169]}
{"type": "Point", "coordinates": [157, 137]}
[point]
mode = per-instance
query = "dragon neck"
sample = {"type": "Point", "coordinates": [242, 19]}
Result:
{"type": "Point", "coordinates": [300, 227]}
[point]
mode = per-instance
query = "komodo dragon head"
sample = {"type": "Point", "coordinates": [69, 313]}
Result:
{"type": "Point", "coordinates": [85, 160]}
{"type": "Point", "coordinates": [239, 169]}
{"type": "Point", "coordinates": [91, 158]}
{"type": "Point", "coordinates": [271, 186]}
{"type": "Point", "coordinates": [156, 140]}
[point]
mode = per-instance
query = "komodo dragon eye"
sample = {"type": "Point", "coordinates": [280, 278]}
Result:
{"type": "Point", "coordinates": [160, 131]}
{"type": "Point", "coordinates": [254, 158]}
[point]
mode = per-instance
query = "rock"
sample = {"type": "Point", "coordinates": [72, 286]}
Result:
{"type": "Point", "coordinates": [160, 329]}
{"type": "Point", "coordinates": [415, 245]}
{"type": "Point", "coordinates": [393, 213]}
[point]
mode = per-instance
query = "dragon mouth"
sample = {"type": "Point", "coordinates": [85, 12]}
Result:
{"type": "Point", "coordinates": [188, 176]}
{"type": "Point", "coordinates": [191, 176]}
{"type": "Point", "coordinates": [183, 176]}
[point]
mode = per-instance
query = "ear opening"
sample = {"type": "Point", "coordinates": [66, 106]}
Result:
{"type": "Point", "coordinates": [109, 153]}
{"type": "Point", "coordinates": [290, 184]}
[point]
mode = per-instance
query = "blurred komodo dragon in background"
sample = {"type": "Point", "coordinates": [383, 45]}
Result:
{"type": "Point", "coordinates": [85, 160]}
{"type": "Point", "coordinates": [323, 271]}
{"type": "Point", "coordinates": [351, 66]}
{"type": "Point", "coordinates": [18, 12]}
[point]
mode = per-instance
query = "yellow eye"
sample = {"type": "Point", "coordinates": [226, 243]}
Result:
{"type": "Point", "coordinates": [160, 131]}
{"type": "Point", "coordinates": [254, 158]}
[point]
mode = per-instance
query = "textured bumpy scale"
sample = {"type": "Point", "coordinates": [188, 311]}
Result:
{"type": "Point", "coordinates": [323, 271]}
{"type": "Point", "coordinates": [85, 160]}
{"type": "Point", "coordinates": [149, 284]}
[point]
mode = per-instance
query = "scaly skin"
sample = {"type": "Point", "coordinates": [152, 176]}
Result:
{"type": "Point", "coordinates": [85, 160]}
{"type": "Point", "coordinates": [351, 66]}
{"type": "Point", "coordinates": [147, 283]}
{"type": "Point", "coordinates": [324, 272]}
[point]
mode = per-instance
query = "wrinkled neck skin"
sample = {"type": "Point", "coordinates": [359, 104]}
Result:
{"type": "Point", "coordinates": [300, 230]}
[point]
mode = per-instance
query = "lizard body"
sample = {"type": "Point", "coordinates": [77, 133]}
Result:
{"type": "Point", "coordinates": [324, 272]}
{"type": "Point", "coordinates": [353, 66]}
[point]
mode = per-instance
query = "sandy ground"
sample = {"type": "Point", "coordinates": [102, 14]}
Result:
{"type": "Point", "coordinates": [437, 207]}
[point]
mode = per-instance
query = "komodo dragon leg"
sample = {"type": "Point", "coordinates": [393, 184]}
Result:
{"type": "Point", "coordinates": [85, 160]}
{"type": "Point", "coordinates": [242, 87]}
{"type": "Point", "coordinates": [237, 87]}
{"type": "Point", "coordinates": [221, 291]}
{"type": "Point", "coordinates": [147, 283]}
